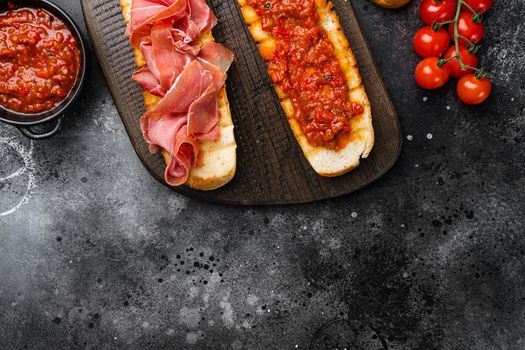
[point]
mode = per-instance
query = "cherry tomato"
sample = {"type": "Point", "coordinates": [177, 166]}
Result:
{"type": "Point", "coordinates": [480, 6]}
{"type": "Point", "coordinates": [468, 28]}
{"type": "Point", "coordinates": [472, 90]}
{"type": "Point", "coordinates": [469, 59]}
{"type": "Point", "coordinates": [429, 43]}
{"type": "Point", "coordinates": [429, 75]}
{"type": "Point", "coordinates": [434, 11]}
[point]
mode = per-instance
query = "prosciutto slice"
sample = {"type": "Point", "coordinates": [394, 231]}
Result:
{"type": "Point", "coordinates": [168, 61]}
{"type": "Point", "coordinates": [200, 20]}
{"type": "Point", "coordinates": [147, 12]}
{"type": "Point", "coordinates": [217, 55]}
{"type": "Point", "coordinates": [191, 84]}
{"type": "Point", "coordinates": [148, 81]}
{"type": "Point", "coordinates": [189, 112]}
{"type": "Point", "coordinates": [186, 75]}
{"type": "Point", "coordinates": [203, 116]}
{"type": "Point", "coordinates": [164, 60]}
{"type": "Point", "coordinates": [169, 132]}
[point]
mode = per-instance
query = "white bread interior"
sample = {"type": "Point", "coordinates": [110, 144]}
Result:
{"type": "Point", "coordinates": [325, 161]}
{"type": "Point", "coordinates": [217, 159]}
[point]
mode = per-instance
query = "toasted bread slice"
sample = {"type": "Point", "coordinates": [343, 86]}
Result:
{"type": "Point", "coordinates": [325, 161]}
{"type": "Point", "coordinates": [217, 159]}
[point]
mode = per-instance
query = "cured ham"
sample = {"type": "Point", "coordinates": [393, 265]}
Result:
{"type": "Point", "coordinates": [203, 116]}
{"type": "Point", "coordinates": [144, 13]}
{"type": "Point", "coordinates": [186, 75]}
{"type": "Point", "coordinates": [217, 55]}
{"type": "Point", "coordinates": [169, 132]}
{"type": "Point", "coordinates": [190, 84]}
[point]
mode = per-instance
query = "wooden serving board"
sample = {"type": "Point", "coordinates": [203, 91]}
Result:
{"type": "Point", "coordinates": [271, 168]}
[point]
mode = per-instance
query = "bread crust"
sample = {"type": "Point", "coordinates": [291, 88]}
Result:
{"type": "Point", "coordinates": [325, 161]}
{"type": "Point", "coordinates": [217, 159]}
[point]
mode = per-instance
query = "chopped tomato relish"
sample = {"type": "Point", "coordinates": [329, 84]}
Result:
{"type": "Point", "coordinates": [39, 60]}
{"type": "Point", "coordinates": [305, 67]}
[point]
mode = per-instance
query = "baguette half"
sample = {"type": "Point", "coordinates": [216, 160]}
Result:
{"type": "Point", "coordinates": [217, 161]}
{"type": "Point", "coordinates": [325, 161]}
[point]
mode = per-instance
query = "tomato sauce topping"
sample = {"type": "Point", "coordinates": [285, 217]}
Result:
{"type": "Point", "coordinates": [304, 66]}
{"type": "Point", "coordinates": [39, 60]}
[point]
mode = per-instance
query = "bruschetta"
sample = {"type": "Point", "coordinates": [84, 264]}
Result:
{"type": "Point", "coordinates": [316, 78]}
{"type": "Point", "coordinates": [177, 57]}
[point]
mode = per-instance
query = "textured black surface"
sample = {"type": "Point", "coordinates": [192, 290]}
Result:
{"type": "Point", "coordinates": [430, 256]}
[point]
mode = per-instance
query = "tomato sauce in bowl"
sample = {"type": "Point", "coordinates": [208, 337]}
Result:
{"type": "Point", "coordinates": [306, 69]}
{"type": "Point", "coordinates": [40, 60]}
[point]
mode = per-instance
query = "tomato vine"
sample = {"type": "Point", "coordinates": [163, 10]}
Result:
{"type": "Point", "coordinates": [471, 47]}
{"type": "Point", "coordinates": [463, 19]}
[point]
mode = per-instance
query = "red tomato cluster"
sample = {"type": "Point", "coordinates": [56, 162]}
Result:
{"type": "Point", "coordinates": [437, 47]}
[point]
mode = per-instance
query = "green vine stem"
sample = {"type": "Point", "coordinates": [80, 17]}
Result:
{"type": "Point", "coordinates": [478, 17]}
{"type": "Point", "coordinates": [467, 40]}
{"type": "Point", "coordinates": [479, 73]}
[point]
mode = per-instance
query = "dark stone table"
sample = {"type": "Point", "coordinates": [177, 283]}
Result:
{"type": "Point", "coordinates": [99, 255]}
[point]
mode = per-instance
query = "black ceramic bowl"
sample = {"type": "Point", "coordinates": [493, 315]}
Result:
{"type": "Point", "coordinates": [53, 118]}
